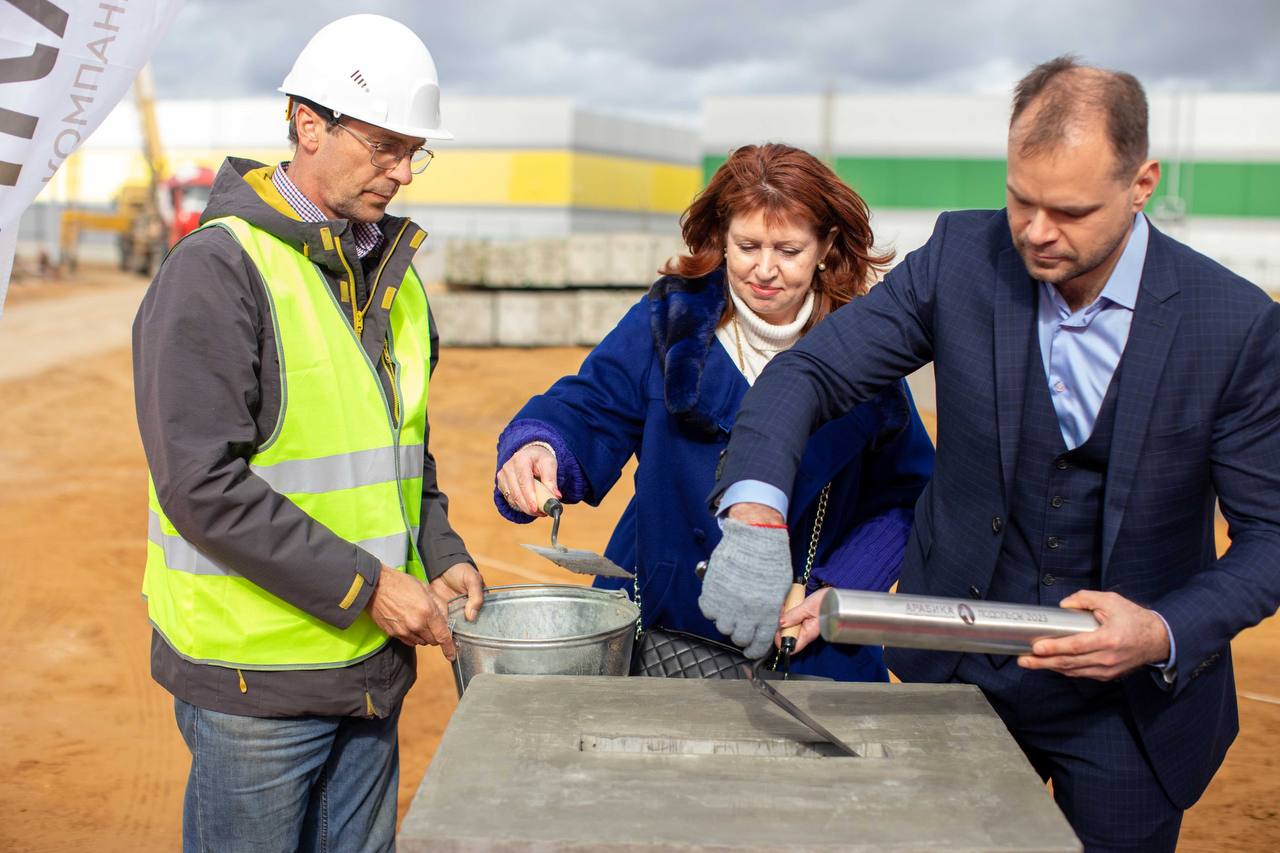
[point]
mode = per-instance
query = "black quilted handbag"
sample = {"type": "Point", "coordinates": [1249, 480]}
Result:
{"type": "Point", "coordinates": [664, 653]}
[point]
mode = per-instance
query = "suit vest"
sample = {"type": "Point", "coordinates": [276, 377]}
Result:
{"type": "Point", "coordinates": [1053, 546]}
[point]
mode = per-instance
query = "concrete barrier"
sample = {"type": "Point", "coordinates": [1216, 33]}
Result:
{"type": "Point", "coordinates": [464, 319]}
{"type": "Point", "coordinates": [600, 310]}
{"type": "Point", "coordinates": [625, 260]}
{"type": "Point", "coordinates": [516, 318]}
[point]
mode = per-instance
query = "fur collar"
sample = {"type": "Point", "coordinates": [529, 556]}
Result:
{"type": "Point", "coordinates": [683, 315]}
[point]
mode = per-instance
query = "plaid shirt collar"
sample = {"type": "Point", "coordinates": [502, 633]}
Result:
{"type": "Point", "coordinates": [367, 235]}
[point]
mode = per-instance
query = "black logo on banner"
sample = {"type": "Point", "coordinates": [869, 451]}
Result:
{"type": "Point", "coordinates": [23, 69]}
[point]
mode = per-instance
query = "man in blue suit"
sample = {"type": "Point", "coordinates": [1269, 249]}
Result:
{"type": "Point", "coordinates": [1099, 385]}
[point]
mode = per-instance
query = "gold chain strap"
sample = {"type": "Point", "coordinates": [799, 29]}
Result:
{"type": "Point", "coordinates": [818, 518]}
{"type": "Point", "coordinates": [635, 586]}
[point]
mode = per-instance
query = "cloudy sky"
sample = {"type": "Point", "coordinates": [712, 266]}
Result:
{"type": "Point", "coordinates": [660, 57]}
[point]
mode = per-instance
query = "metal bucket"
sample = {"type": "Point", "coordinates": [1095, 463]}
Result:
{"type": "Point", "coordinates": [544, 629]}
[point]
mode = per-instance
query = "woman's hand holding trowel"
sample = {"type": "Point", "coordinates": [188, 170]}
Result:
{"type": "Point", "coordinates": [805, 615]}
{"type": "Point", "coordinates": [516, 479]}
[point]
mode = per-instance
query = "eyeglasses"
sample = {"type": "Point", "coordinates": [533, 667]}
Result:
{"type": "Point", "coordinates": [387, 155]}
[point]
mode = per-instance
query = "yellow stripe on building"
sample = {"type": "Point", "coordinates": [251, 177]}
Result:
{"type": "Point", "coordinates": [554, 178]}
{"type": "Point", "coordinates": [466, 177]}
{"type": "Point", "coordinates": [618, 183]}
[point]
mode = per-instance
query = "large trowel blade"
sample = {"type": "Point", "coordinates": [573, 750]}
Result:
{"type": "Point", "coordinates": [768, 691]}
{"type": "Point", "coordinates": [581, 561]}
{"type": "Point", "coordinates": [574, 559]}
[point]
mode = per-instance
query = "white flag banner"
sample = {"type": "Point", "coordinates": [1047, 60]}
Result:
{"type": "Point", "coordinates": [63, 65]}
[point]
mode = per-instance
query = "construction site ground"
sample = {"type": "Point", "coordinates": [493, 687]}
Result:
{"type": "Point", "coordinates": [91, 758]}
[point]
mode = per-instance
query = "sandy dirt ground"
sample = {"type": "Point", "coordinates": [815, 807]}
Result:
{"type": "Point", "coordinates": [90, 756]}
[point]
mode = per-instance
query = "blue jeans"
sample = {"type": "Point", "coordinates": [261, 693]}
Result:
{"type": "Point", "coordinates": [299, 783]}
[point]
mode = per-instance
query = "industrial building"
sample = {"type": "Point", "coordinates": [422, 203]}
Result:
{"type": "Point", "coordinates": [540, 194]}
{"type": "Point", "coordinates": [912, 155]}
{"type": "Point", "coordinates": [520, 168]}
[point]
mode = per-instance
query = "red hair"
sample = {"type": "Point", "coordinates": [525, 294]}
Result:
{"type": "Point", "coordinates": [789, 185]}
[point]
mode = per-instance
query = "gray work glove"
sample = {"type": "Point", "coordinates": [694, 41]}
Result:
{"type": "Point", "coordinates": [747, 580]}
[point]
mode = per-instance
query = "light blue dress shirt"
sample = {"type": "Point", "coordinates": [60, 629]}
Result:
{"type": "Point", "coordinates": [1080, 351]}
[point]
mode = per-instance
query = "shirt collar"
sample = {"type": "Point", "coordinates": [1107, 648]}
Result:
{"type": "Point", "coordinates": [367, 235]}
{"type": "Point", "coordinates": [1122, 287]}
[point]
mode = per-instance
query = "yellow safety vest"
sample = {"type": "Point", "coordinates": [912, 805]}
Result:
{"type": "Point", "coordinates": [337, 452]}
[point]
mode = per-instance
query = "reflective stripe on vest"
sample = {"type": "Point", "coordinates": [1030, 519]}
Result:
{"type": "Point", "coordinates": [337, 453]}
{"type": "Point", "coordinates": [181, 556]}
{"type": "Point", "coordinates": [342, 471]}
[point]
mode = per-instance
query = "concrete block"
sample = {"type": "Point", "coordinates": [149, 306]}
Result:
{"type": "Point", "coordinates": [588, 262]}
{"type": "Point", "coordinates": [600, 310]}
{"type": "Point", "coordinates": [507, 266]}
{"type": "Point", "coordinates": [429, 261]}
{"type": "Point", "coordinates": [664, 250]}
{"type": "Point", "coordinates": [465, 261]}
{"type": "Point", "coordinates": [524, 319]}
{"type": "Point", "coordinates": [465, 319]}
{"type": "Point", "coordinates": [547, 262]}
{"type": "Point", "coordinates": [611, 764]}
{"type": "Point", "coordinates": [631, 260]}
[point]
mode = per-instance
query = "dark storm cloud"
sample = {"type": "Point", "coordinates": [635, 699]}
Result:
{"type": "Point", "coordinates": [663, 56]}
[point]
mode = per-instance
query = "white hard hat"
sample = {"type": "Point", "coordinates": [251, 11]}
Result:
{"type": "Point", "coordinates": [373, 69]}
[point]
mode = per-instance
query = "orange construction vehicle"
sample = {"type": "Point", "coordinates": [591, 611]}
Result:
{"type": "Point", "coordinates": [147, 219]}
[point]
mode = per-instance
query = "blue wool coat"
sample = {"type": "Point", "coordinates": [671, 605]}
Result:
{"type": "Point", "coordinates": [661, 388]}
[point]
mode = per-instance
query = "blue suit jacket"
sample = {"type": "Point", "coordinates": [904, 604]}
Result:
{"type": "Point", "coordinates": [1198, 419]}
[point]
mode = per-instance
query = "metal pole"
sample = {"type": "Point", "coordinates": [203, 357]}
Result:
{"type": "Point", "coordinates": [944, 624]}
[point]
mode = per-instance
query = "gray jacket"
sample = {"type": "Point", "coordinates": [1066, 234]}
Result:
{"type": "Point", "coordinates": [207, 389]}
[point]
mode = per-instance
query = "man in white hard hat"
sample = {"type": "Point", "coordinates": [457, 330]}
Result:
{"type": "Point", "coordinates": [298, 546]}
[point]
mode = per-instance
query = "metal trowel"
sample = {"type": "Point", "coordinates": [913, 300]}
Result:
{"type": "Point", "coordinates": [768, 691]}
{"type": "Point", "coordinates": [574, 559]}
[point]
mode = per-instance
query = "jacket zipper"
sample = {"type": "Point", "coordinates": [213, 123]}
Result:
{"type": "Point", "coordinates": [391, 374]}
{"type": "Point", "coordinates": [386, 347]}
{"type": "Point", "coordinates": [357, 323]}
{"type": "Point", "coordinates": [357, 314]}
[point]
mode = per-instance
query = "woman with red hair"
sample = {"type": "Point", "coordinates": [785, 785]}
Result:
{"type": "Point", "coordinates": [776, 242]}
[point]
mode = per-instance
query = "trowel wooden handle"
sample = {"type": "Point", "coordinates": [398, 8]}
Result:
{"type": "Point", "coordinates": [547, 501]}
{"type": "Point", "coordinates": [795, 595]}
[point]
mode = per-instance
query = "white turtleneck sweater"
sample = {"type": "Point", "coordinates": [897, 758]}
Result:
{"type": "Point", "coordinates": [757, 340]}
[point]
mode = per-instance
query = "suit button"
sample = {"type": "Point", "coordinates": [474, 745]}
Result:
{"type": "Point", "coordinates": [1054, 543]}
{"type": "Point", "coordinates": [1056, 501]}
{"type": "Point", "coordinates": [1048, 580]}
{"type": "Point", "coordinates": [1062, 464]}
{"type": "Point", "coordinates": [997, 524]}
{"type": "Point", "coordinates": [974, 592]}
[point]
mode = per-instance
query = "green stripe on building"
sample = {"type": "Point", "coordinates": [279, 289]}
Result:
{"type": "Point", "coordinates": [1210, 188]}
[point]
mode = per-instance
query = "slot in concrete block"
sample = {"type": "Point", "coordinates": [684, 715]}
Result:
{"type": "Point", "coordinates": [536, 763]}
